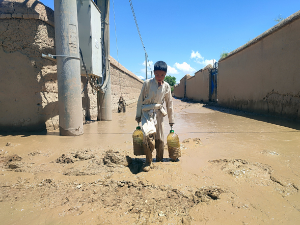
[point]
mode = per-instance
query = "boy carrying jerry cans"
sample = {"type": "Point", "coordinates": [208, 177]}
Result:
{"type": "Point", "coordinates": [151, 112]}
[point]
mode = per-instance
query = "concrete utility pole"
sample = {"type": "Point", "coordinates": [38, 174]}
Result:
{"type": "Point", "coordinates": [146, 64]}
{"type": "Point", "coordinates": [68, 68]}
{"type": "Point", "coordinates": [104, 98]}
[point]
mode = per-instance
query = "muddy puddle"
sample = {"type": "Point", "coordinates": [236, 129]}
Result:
{"type": "Point", "coordinates": [235, 169]}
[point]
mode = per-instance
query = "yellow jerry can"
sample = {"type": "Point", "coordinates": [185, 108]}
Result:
{"type": "Point", "coordinates": [173, 145]}
{"type": "Point", "coordinates": [138, 137]}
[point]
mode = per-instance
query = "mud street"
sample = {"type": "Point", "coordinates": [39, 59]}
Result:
{"type": "Point", "coordinates": [235, 168]}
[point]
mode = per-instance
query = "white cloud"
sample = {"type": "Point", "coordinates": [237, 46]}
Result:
{"type": "Point", "coordinates": [149, 64]}
{"type": "Point", "coordinates": [150, 67]}
{"type": "Point", "coordinates": [200, 59]}
{"type": "Point", "coordinates": [196, 55]}
{"type": "Point", "coordinates": [141, 77]}
{"type": "Point", "coordinates": [172, 70]}
{"type": "Point", "coordinates": [210, 61]}
{"type": "Point", "coordinates": [184, 67]}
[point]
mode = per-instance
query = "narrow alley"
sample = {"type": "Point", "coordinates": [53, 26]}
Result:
{"type": "Point", "coordinates": [236, 168]}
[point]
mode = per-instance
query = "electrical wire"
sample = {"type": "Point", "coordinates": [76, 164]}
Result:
{"type": "Point", "coordinates": [137, 27]}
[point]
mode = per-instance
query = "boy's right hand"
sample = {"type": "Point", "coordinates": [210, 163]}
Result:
{"type": "Point", "coordinates": [138, 119]}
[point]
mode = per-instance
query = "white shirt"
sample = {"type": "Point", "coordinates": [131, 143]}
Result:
{"type": "Point", "coordinates": [153, 94]}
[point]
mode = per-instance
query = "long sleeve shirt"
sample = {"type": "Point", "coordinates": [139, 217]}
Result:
{"type": "Point", "coordinates": [151, 93]}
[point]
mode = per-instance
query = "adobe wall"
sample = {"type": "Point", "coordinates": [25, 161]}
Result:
{"type": "Point", "coordinates": [125, 83]}
{"type": "Point", "coordinates": [264, 76]}
{"type": "Point", "coordinates": [180, 89]}
{"type": "Point", "coordinates": [197, 87]}
{"type": "Point", "coordinates": [191, 87]}
{"type": "Point", "coordinates": [203, 87]}
{"type": "Point", "coordinates": [28, 82]}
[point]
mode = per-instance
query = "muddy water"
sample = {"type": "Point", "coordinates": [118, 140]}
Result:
{"type": "Point", "coordinates": [235, 169]}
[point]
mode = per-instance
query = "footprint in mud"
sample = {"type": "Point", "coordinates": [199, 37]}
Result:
{"type": "Point", "coordinates": [11, 162]}
{"type": "Point", "coordinates": [194, 140]}
{"type": "Point", "coordinates": [257, 173]}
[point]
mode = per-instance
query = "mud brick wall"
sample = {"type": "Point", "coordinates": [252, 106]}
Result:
{"type": "Point", "coordinates": [264, 75]}
{"type": "Point", "coordinates": [197, 87]}
{"type": "Point", "coordinates": [125, 83]}
{"type": "Point", "coordinates": [191, 87]}
{"type": "Point", "coordinates": [180, 89]}
{"type": "Point", "coordinates": [28, 82]}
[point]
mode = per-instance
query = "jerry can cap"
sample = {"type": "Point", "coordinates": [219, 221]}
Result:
{"type": "Point", "coordinates": [171, 131]}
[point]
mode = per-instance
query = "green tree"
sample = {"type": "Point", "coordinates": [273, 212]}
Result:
{"type": "Point", "coordinates": [170, 80]}
{"type": "Point", "coordinates": [223, 55]}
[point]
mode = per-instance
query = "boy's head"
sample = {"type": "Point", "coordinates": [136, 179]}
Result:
{"type": "Point", "coordinates": [160, 71]}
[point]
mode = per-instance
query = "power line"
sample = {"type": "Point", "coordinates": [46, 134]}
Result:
{"type": "Point", "coordinates": [137, 26]}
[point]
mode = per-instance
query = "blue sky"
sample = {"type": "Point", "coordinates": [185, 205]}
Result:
{"type": "Point", "coordinates": [189, 34]}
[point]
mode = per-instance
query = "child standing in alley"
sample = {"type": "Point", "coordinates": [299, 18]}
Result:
{"type": "Point", "coordinates": [150, 111]}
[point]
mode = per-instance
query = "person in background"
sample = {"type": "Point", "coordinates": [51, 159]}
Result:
{"type": "Point", "coordinates": [121, 105]}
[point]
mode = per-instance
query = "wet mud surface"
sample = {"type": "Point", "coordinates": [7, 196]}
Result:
{"type": "Point", "coordinates": [233, 170]}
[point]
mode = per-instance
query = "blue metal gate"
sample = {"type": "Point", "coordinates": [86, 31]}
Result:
{"type": "Point", "coordinates": [213, 83]}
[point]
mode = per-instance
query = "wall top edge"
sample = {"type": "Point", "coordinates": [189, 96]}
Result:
{"type": "Point", "coordinates": [273, 29]}
{"type": "Point", "coordinates": [30, 9]}
{"type": "Point", "coordinates": [204, 69]}
{"type": "Point", "coordinates": [185, 76]}
{"type": "Point", "coordinates": [121, 67]}
{"type": "Point", "coordinates": [188, 78]}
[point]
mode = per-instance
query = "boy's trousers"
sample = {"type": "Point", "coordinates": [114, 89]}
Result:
{"type": "Point", "coordinates": [149, 147]}
{"type": "Point", "coordinates": [159, 141]}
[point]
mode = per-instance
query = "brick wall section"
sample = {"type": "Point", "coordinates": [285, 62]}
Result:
{"type": "Point", "coordinates": [30, 9]}
{"type": "Point", "coordinates": [203, 89]}
{"type": "Point", "coordinates": [191, 87]}
{"type": "Point", "coordinates": [28, 82]}
{"type": "Point", "coordinates": [263, 76]}
{"type": "Point", "coordinates": [131, 85]}
{"type": "Point", "coordinates": [195, 87]}
{"type": "Point", "coordinates": [180, 89]}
